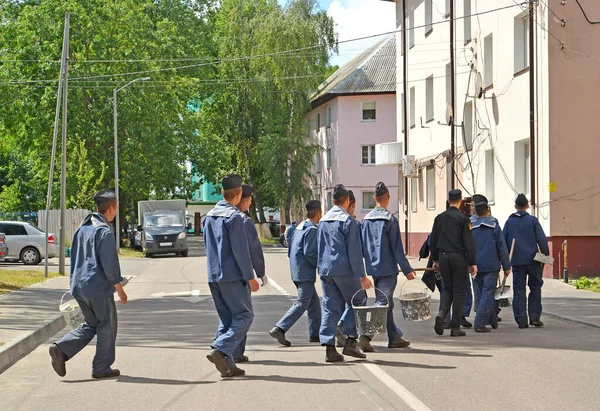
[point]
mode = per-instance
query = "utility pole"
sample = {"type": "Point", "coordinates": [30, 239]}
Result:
{"type": "Point", "coordinates": [63, 183]}
{"type": "Point", "coordinates": [405, 119]}
{"type": "Point", "coordinates": [54, 143]}
{"type": "Point", "coordinates": [452, 98]}
{"type": "Point", "coordinates": [532, 68]}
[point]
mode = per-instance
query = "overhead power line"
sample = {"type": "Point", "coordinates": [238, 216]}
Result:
{"type": "Point", "coordinates": [585, 14]}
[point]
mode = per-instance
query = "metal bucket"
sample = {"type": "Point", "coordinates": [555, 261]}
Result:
{"type": "Point", "coordinates": [71, 312]}
{"type": "Point", "coordinates": [416, 306]}
{"type": "Point", "coordinates": [370, 320]}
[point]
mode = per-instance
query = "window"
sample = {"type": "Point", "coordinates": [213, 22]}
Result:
{"type": "Point", "coordinates": [328, 158]}
{"type": "Point", "coordinates": [13, 229]}
{"type": "Point", "coordinates": [328, 117]}
{"type": "Point", "coordinates": [467, 20]}
{"type": "Point", "coordinates": [522, 167]}
{"type": "Point", "coordinates": [412, 107]}
{"type": "Point", "coordinates": [429, 112]}
{"type": "Point", "coordinates": [468, 126]}
{"type": "Point", "coordinates": [521, 42]}
{"type": "Point", "coordinates": [411, 31]}
{"type": "Point", "coordinates": [401, 116]}
{"type": "Point", "coordinates": [430, 187]}
{"type": "Point", "coordinates": [329, 200]}
{"type": "Point", "coordinates": [414, 185]}
{"type": "Point", "coordinates": [428, 17]}
{"type": "Point", "coordinates": [368, 111]}
{"type": "Point", "coordinates": [319, 161]}
{"type": "Point", "coordinates": [368, 201]}
{"type": "Point", "coordinates": [490, 176]}
{"type": "Point", "coordinates": [318, 121]}
{"type": "Point", "coordinates": [368, 155]}
{"type": "Point", "coordinates": [488, 61]}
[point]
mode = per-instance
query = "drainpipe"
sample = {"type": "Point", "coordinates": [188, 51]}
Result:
{"type": "Point", "coordinates": [452, 97]}
{"type": "Point", "coordinates": [405, 120]}
{"type": "Point", "coordinates": [532, 68]}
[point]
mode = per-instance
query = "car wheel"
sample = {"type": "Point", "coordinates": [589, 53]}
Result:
{"type": "Point", "coordinates": [184, 253]}
{"type": "Point", "coordinates": [147, 255]}
{"type": "Point", "coordinates": [30, 256]}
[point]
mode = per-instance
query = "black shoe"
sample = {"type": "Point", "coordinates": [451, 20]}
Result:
{"type": "Point", "coordinates": [399, 343]}
{"type": "Point", "coordinates": [495, 326]}
{"type": "Point", "coordinates": [482, 330]}
{"type": "Point", "coordinates": [314, 339]}
{"type": "Point", "coordinates": [279, 335]}
{"type": "Point", "coordinates": [58, 360]}
{"type": "Point", "coordinates": [498, 319]}
{"type": "Point", "coordinates": [465, 323]}
{"type": "Point", "coordinates": [523, 326]}
{"type": "Point", "coordinates": [331, 355]}
{"type": "Point", "coordinates": [352, 350]}
{"type": "Point", "coordinates": [365, 344]}
{"type": "Point", "coordinates": [219, 360]}
{"type": "Point", "coordinates": [107, 374]}
{"type": "Point", "coordinates": [340, 338]}
{"type": "Point", "coordinates": [439, 325]}
{"type": "Point", "coordinates": [457, 332]}
{"type": "Point", "coordinates": [241, 359]}
{"type": "Point", "coordinates": [236, 372]}
{"type": "Point", "coordinates": [447, 326]}
{"type": "Point", "coordinates": [537, 323]}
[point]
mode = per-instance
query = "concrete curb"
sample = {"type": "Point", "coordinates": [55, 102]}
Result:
{"type": "Point", "coordinates": [571, 319]}
{"type": "Point", "coordinates": [29, 341]}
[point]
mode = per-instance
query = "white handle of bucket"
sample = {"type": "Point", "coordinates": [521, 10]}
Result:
{"type": "Point", "coordinates": [426, 289]}
{"type": "Point", "coordinates": [62, 298]}
{"type": "Point", "coordinates": [376, 289]}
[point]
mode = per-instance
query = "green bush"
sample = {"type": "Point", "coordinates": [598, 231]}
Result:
{"type": "Point", "coordinates": [583, 283]}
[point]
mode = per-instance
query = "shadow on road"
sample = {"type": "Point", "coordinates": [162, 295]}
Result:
{"type": "Point", "coordinates": [144, 380]}
{"type": "Point", "coordinates": [292, 380]}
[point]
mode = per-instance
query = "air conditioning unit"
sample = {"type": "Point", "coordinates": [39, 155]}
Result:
{"type": "Point", "coordinates": [410, 168]}
{"type": "Point", "coordinates": [387, 154]}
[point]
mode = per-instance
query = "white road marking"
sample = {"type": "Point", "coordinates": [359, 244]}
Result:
{"type": "Point", "coordinates": [278, 287]}
{"type": "Point", "coordinates": [406, 396]}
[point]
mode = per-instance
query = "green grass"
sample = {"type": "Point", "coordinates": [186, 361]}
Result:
{"type": "Point", "coordinates": [12, 280]}
{"type": "Point", "coordinates": [269, 241]}
{"type": "Point", "coordinates": [129, 253]}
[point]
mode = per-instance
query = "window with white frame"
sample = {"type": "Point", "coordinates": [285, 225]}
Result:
{"type": "Point", "coordinates": [430, 175]}
{"type": "Point", "coordinates": [401, 115]}
{"type": "Point", "coordinates": [521, 47]}
{"type": "Point", "coordinates": [522, 167]}
{"type": "Point", "coordinates": [328, 158]}
{"type": "Point", "coordinates": [429, 105]}
{"type": "Point", "coordinates": [490, 176]}
{"type": "Point", "coordinates": [319, 161]}
{"type": "Point", "coordinates": [428, 16]}
{"type": "Point", "coordinates": [467, 20]}
{"type": "Point", "coordinates": [369, 112]}
{"type": "Point", "coordinates": [411, 31]}
{"type": "Point", "coordinates": [368, 200]}
{"type": "Point", "coordinates": [367, 155]}
{"type": "Point", "coordinates": [328, 117]}
{"type": "Point", "coordinates": [412, 107]}
{"type": "Point", "coordinates": [329, 200]}
{"type": "Point", "coordinates": [318, 121]}
{"type": "Point", "coordinates": [488, 61]}
{"type": "Point", "coordinates": [414, 186]}
{"type": "Point", "coordinates": [468, 126]}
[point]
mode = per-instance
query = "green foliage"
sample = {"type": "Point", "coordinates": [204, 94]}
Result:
{"type": "Point", "coordinates": [585, 283]}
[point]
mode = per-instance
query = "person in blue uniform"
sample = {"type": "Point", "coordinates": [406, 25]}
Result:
{"type": "Point", "coordinates": [95, 276]}
{"type": "Point", "coordinates": [303, 256]}
{"type": "Point", "coordinates": [230, 276]}
{"type": "Point", "coordinates": [342, 274]}
{"type": "Point", "coordinates": [529, 237]}
{"type": "Point", "coordinates": [383, 253]}
{"type": "Point", "coordinates": [288, 233]}
{"type": "Point", "coordinates": [492, 254]}
{"type": "Point", "coordinates": [453, 253]}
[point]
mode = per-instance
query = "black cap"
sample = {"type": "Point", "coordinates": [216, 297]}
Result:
{"type": "Point", "coordinates": [231, 181]}
{"type": "Point", "coordinates": [454, 195]}
{"type": "Point", "coordinates": [103, 196]}
{"type": "Point", "coordinates": [479, 200]}
{"type": "Point", "coordinates": [339, 192]}
{"type": "Point", "coordinates": [247, 190]}
{"type": "Point", "coordinates": [351, 196]}
{"type": "Point", "coordinates": [521, 201]}
{"type": "Point", "coordinates": [381, 189]}
{"type": "Point", "coordinates": [313, 205]}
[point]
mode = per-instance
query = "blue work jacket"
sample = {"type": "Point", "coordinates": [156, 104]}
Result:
{"type": "Point", "coordinates": [529, 235]}
{"type": "Point", "coordinates": [227, 252]}
{"type": "Point", "coordinates": [256, 253]}
{"type": "Point", "coordinates": [382, 245]}
{"type": "Point", "coordinates": [94, 260]}
{"type": "Point", "coordinates": [303, 253]}
{"type": "Point", "coordinates": [490, 245]}
{"type": "Point", "coordinates": [339, 245]}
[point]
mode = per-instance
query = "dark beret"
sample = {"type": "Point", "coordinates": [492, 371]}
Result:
{"type": "Point", "coordinates": [479, 200]}
{"type": "Point", "coordinates": [351, 196]}
{"type": "Point", "coordinates": [521, 201]}
{"type": "Point", "coordinates": [313, 205]}
{"type": "Point", "coordinates": [454, 195]}
{"type": "Point", "coordinates": [339, 192]}
{"type": "Point", "coordinates": [381, 189]}
{"type": "Point", "coordinates": [103, 196]}
{"type": "Point", "coordinates": [231, 181]}
{"type": "Point", "coordinates": [247, 190]}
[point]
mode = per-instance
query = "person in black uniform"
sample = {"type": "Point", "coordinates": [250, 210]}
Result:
{"type": "Point", "coordinates": [453, 253]}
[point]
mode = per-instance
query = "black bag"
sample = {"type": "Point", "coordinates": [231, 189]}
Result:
{"type": "Point", "coordinates": [424, 251]}
{"type": "Point", "coordinates": [282, 240]}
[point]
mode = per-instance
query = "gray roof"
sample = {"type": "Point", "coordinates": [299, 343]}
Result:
{"type": "Point", "coordinates": [373, 71]}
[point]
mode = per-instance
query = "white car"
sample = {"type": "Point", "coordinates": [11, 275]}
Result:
{"type": "Point", "coordinates": [27, 243]}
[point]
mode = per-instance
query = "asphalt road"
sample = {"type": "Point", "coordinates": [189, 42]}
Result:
{"type": "Point", "coordinates": [166, 329]}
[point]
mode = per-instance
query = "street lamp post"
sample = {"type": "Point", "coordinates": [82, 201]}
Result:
{"type": "Point", "coordinates": [115, 91]}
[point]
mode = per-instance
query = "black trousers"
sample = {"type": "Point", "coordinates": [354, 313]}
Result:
{"type": "Point", "coordinates": [455, 271]}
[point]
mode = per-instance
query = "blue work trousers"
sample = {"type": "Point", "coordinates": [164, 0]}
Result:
{"type": "Point", "coordinates": [100, 320]}
{"type": "Point", "coordinates": [530, 275]}
{"type": "Point", "coordinates": [477, 297]}
{"type": "Point", "coordinates": [484, 287]}
{"type": "Point", "coordinates": [234, 306]}
{"type": "Point", "coordinates": [387, 285]}
{"type": "Point", "coordinates": [468, 302]}
{"type": "Point", "coordinates": [307, 301]}
{"type": "Point", "coordinates": [337, 293]}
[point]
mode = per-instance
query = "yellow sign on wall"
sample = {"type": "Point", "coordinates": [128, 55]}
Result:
{"type": "Point", "coordinates": [552, 187]}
